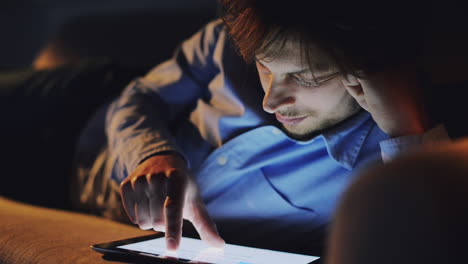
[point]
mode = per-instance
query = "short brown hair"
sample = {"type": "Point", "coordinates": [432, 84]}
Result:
{"type": "Point", "coordinates": [359, 35]}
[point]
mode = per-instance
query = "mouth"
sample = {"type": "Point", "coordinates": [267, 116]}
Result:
{"type": "Point", "coordinates": [289, 120]}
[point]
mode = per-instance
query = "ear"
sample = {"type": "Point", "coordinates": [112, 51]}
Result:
{"type": "Point", "coordinates": [355, 89]}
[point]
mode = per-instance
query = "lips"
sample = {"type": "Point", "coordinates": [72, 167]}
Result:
{"type": "Point", "coordinates": [289, 120]}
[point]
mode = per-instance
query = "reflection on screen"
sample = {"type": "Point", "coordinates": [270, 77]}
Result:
{"type": "Point", "coordinates": [195, 249]}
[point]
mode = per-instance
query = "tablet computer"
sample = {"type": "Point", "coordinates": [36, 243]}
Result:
{"type": "Point", "coordinates": [152, 249]}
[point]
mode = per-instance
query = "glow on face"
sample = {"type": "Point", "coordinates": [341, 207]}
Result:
{"type": "Point", "coordinates": [304, 100]}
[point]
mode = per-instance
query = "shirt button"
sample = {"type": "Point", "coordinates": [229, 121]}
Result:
{"type": "Point", "coordinates": [222, 160]}
{"type": "Point", "coordinates": [276, 131]}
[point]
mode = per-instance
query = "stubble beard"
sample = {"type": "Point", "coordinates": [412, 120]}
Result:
{"type": "Point", "coordinates": [321, 125]}
{"type": "Point", "coordinates": [312, 133]}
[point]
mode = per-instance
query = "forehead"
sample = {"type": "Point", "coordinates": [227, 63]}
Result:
{"type": "Point", "coordinates": [292, 54]}
{"type": "Point", "coordinates": [287, 52]}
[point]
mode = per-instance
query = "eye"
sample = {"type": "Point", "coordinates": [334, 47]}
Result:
{"type": "Point", "coordinates": [314, 82]}
{"type": "Point", "coordinates": [307, 83]}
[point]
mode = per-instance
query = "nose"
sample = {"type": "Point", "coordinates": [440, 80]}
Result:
{"type": "Point", "coordinates": [276, 97]}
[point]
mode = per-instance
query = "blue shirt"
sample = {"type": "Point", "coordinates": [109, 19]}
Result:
{"type": "Point", "coordinates": [255, 180]}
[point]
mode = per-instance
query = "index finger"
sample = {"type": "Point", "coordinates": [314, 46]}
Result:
{"type": "Point", "coordinates": [173, 207]}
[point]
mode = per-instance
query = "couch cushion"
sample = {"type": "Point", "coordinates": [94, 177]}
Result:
{"type": "Point", "coordinates": [31, 234]}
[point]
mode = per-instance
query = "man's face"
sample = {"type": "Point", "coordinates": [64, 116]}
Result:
{"type": "Point", "coordinates": [303, 104]}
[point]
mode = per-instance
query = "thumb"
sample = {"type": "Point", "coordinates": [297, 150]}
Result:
{"type": "Point", "coordinates": [204, 225]}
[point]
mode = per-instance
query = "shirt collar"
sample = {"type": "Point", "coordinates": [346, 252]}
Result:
{"type": "Point", "coordinates": [345, 140]}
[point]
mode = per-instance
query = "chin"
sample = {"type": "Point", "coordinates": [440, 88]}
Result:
{"type": "Point", "coordinates": [306, 133]}
{"type": "Point", "coordinates": [301, 134]}
{"type": "Point", "coordinates": [314, 125]}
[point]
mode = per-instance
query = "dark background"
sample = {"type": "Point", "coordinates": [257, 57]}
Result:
{"type": "Point", "coordinates": [138, 34]}
{"type": "Point", "coordinates": [145, 31]}
{"type": "Point", "coordinates": [134, 31]}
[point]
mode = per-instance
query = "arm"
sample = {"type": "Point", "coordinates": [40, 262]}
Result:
{"type": "Point", "coordinates": [138, 122]}
{"type": "Point", "coordinates": [156, 189]}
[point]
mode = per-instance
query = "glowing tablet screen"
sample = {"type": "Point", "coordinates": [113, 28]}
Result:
{"type": "Point", "coordinates": [197, 250]}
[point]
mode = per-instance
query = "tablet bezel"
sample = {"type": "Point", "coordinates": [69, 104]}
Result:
{"type": "Point", "coordinates": [111, 248]}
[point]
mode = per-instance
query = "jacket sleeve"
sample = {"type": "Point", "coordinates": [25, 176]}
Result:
{"type": "Point", "coordinates": [138, 122]}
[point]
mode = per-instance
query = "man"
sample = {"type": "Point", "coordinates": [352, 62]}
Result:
{"type": "Point", "coordinates": [190, 140]}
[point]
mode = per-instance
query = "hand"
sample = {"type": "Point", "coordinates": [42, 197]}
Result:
{"type": "Point", "coordinates": [160, 193]}
{"type": "Point", "coordinates": [393, 98]}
